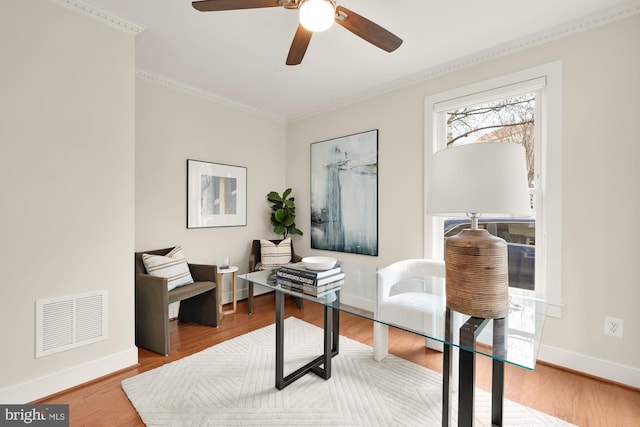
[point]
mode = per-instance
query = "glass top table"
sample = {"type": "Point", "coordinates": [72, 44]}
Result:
{"type": "Point", "coordinates": [361, 294]}
{"type": "Point", "coordinates": [368, 291]}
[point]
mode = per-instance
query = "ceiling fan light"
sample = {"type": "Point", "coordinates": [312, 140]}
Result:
{"type": "Point", "coordinates": [317, 15]}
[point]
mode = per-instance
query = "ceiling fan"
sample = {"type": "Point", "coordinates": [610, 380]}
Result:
{"type": "Point", "coordinates": [315, 15]}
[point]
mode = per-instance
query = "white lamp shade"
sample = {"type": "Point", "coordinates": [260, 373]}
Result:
{"type": "Point", "coordinates": [488, 179]}
{"type": "Point", "coordinates": [317, 15]}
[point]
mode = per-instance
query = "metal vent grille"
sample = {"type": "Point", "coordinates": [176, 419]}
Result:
{"type": "Point", "coordinates": [72, 321]}
{"type": "Point", "coordinates": [57, 324]}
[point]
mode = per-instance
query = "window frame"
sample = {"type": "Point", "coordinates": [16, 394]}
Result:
{"type": "Point", "coordinates": [546, 81]}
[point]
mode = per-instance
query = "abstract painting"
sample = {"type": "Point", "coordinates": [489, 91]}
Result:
{"type": "Point", "coordinates": [344, 194]}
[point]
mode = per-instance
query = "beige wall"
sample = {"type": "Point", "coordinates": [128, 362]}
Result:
{"type": "Point", "coordinates": [67, 179]}
{"type": "Point", "coordinates": [600, 179]}
{"type": "Point", "coordinates": [173, 126]}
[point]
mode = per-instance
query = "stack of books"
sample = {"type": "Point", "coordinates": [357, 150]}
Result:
{"type": "Point", "coordinates": [297, 277]}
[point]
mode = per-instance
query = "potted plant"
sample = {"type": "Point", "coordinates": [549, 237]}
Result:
{"type": "Point", "coordinates": [283, 213]}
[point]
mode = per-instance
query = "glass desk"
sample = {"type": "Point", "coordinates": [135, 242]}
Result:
{"type": "Point", "coordinates": [514, 339]}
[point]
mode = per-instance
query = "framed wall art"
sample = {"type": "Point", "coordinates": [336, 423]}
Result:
{"type": "Point", "coordinates": [216, 195]}
{"type": "Point", "coordinates": [344, 194]}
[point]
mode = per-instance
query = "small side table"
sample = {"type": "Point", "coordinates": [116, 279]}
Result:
{"type": "Point", "coordinates": [222, 271]}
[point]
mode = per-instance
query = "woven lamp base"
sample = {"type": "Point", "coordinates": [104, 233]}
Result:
{"type": "Point", "coordinates": [477, 274]}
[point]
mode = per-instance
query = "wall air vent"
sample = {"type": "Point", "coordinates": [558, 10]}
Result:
{"type": "Point", "coordinates": [69, 322]}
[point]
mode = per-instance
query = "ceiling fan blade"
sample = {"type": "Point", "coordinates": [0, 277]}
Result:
{"type": "Point", "coordinates": [216, 5]}
{"type": "Point", "coordinates": [299, 45]}
{"type": "Point", "coordinates": [367, 30]}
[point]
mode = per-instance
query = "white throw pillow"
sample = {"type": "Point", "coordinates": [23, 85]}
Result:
{"type": "Point", "coordinates": [172, 267]}
{"type": "Point", "coordinates": [274, 256]}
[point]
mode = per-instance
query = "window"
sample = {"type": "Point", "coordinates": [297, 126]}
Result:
{"type": "Point", "coordinates": [524, 107]}
{"type": "Point", "coordinates": [507, 119]}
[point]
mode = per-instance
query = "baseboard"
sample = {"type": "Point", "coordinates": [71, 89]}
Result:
{"type": "Point", "coordinates": [604, 369]}
{"type": "Point", "coordinates": [56, 382]}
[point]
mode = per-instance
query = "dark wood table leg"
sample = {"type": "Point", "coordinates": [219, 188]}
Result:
{"type": "Point", "coordinates": [325, 371]}
{"type": "Point", "coordinates": [497, 381]}
{"type": "Point", "coordinates": [467, 374]}
{"type": "Point", "coordinates": [321, 365]}
{"type": "Point", "coordinates": [336, 329]}
{"type": "Point", "coordinates": [280, 383]}
{"type": "Point", "coordinates": [446, 368]}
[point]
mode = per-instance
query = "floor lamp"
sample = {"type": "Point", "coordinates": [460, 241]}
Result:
{"type": "Point", "coordinates": [471, 180]}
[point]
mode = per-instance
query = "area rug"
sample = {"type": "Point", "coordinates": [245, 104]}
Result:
{"type": "Point", "coordinates": [232, 384]}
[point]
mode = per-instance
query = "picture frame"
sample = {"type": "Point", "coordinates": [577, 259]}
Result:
{"type": "Point", "coordinates": [344, 194]}
{"type": "Point", "coordinates": [216, 195]}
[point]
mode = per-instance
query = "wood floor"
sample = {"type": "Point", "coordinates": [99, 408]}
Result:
{"type": "Point", "coordinates": [578, 399]}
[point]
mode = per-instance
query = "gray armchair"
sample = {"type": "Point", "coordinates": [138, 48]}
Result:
{"type": "Point", "coordinates": [198, 302]}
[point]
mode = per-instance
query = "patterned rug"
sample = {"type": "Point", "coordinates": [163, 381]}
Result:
{"type": "Point", "coordinates": [232, 384]}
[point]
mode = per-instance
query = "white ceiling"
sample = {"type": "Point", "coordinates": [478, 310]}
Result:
{"type": "Point", "coordinates": [240, 55]}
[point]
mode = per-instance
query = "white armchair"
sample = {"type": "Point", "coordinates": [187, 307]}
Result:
{"type": "Point", "coordinates": [410, 293]}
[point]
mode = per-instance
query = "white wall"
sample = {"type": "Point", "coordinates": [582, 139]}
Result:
{"type": "Point", "coordinates": [172, 126]}
{"type": "Point", "coordinates": [600, 179]}
{"type": "Point", "coordinates": [66, 179]}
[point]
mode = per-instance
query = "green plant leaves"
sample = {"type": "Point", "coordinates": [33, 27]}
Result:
{"type": "Point", "coordinates": [274, 197]}
{"type": "Point", "coordinates": [283, 216]}
{"type": "Point", "coordinates": [294, 230]}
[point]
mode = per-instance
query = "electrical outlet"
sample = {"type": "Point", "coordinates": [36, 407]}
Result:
{"type": "Point", "coordinates": [613, 327]}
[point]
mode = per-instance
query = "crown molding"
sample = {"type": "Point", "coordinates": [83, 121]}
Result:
{"type": "Point", "coordinates": [190, 90]}
{"type": "Point", "coordinates": [102, 16]}
{"type": "Point", "coordinates": [579, 25]}
{"type": "Point", "coordinates": [607, 16]}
